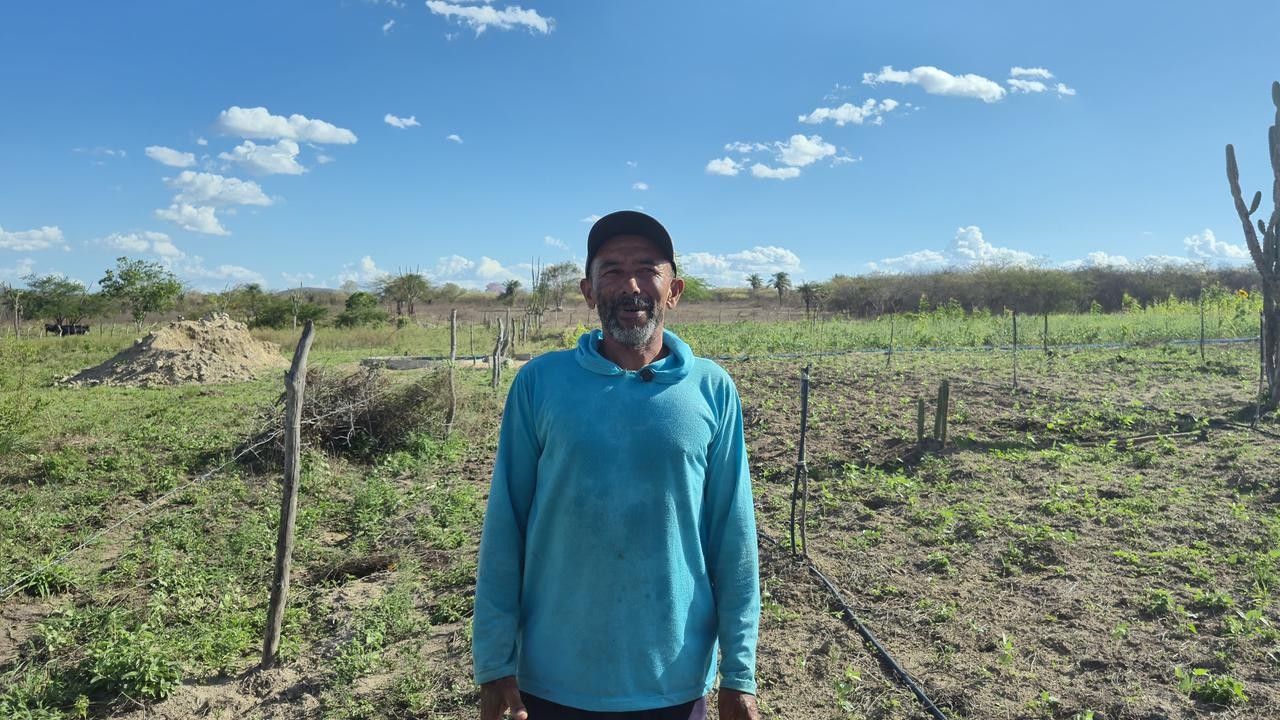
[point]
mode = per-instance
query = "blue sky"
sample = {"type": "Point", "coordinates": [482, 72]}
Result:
{"type": "Point", "coordinates": [288, 142]}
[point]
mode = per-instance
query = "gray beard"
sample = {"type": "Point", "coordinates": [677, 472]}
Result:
{"type": "Point", "coordinates": [634, 337]}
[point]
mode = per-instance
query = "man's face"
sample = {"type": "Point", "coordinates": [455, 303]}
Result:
{"type": "Point", "coordinates": [631, 285]}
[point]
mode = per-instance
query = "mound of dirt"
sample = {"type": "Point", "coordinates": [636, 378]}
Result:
{"type": "Point", "coordinates": [215, 349]}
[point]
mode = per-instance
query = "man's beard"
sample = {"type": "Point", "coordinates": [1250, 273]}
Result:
{"type": "Point", "coordinates": [631, 336]}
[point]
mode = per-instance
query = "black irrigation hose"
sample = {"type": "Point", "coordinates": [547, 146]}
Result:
{"type": "Point", "coordinates": [883, 654]}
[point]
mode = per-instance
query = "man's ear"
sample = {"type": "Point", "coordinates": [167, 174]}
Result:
{"type": "Point", "coordinates": [677, 287]}
{"type": "Point", "coordinates": [585, 286]}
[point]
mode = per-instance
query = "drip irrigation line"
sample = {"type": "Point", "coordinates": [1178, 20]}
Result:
{"type": "Point", "coordinates": [977, 349]}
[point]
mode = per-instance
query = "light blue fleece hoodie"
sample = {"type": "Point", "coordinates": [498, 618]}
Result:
{"type": "Point", "coordinates": [619, 543]}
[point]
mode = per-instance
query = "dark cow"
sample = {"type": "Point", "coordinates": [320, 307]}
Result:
{"type": "Point", "coordinates": [61, 330]}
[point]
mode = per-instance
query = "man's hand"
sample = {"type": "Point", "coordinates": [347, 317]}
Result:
{"type": "Point", "coordinates": [737, 705]}
{"type": "Point", "coordinates": [498, 696]}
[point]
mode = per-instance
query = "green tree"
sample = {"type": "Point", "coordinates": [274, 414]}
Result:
{"type": "Point", "coordinates": [557, 281]}
{"type": "Point", "coordinates": [755, 282]}
{"type": "Point", "coordinates": [696, 288]}
{"type": "Point", "coordinates": [509, 291]}
{"type": "Point", "coordinates": [142, 286]}
{"type": "Point", "coordinates": [362, 309]}
{"type": "Point", "coordinates": [60, 300]}
{"type": "Point", "coordinates": [405, 290]}
{"type": "Point", "coordinates": [781, 282]}
{"type": "Point", "coordinates": [814, 295]}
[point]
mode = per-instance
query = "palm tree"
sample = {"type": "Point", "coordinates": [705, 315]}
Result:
{"type": "Point", "coordinates": [756, 282]}
{"type": "Point", "coordinates": [781, 282]}
{"type": "Point", "coordinates": [813, 294]}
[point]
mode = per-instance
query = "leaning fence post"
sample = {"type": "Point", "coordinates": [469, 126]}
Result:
{"type": "Point", "coordinates": [940, 413]}
{"type": "Point", "coordinates": [800, 486]}
{"type": "Point", "coordinates": [295, 386]}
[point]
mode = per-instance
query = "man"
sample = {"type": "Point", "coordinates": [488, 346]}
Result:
{"type": "Point", "coordinates": [619, 544]}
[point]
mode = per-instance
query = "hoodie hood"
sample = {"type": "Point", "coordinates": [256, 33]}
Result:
{"type": "Point", "coordinates": [671, 369]}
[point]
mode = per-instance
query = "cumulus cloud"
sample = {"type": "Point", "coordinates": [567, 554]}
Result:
{"type": "Point", "coordinates": [192, 268]}
{"type": "Point", "coordinates": [170, 157]}
{"type": "Point", "coordinates": [801, 150]}
{"type": "Point", "coordinates": [731, 269]}
{"type": "Point", "coordinates": [1064, 90]}
{"type": "Point", "coordinates": [724, 166]}
{"type": "Point", "coordinates": [399, 122]}
{"type": "Point", "coordinates": [157, 243]}
{"type": "Point", "coordinates": [364, 272]}
{"type": "Point", "coordinates": [1097, 259]}
{"type": "Point", "coordinates": [1026, 86]}
{"type": "Point", "coordinates": [745, 147]}
{"type": "Point", "coordinates": [259, 123]}
{"type": "Point", "coordinates": [386, 27]}
{"type": "Point", "coordinates": [555, 242]}
{"type": "Point", "coordinates": [452, 266]}
{"type": "Point", "coordinates": [453, 137]}
{"type": "Point", "coordinates": [639, 186]}
{"type": "Point", "coordinates": [1207, 246]}
{"type": "Point", "coordinates": [939, 82]}
{"type": "Point", "coordinates": [278, 159]}
{"type": "Point", "coordinates": [24, 267]}
{"type": "Point", "coordinates": [201, 141]}
{"type": "Point", "coordinates": [209, 188]}
{"type": "Point", "coordinates": [201, 219]}
{"type": "Point", "coordinates": [869, 111]}
{"type": "Point", "coordinates": [1035, 72]}
{"type": "Point", "coordinates": [490, 269]}
{"type": "Point", "coordinates": [483, 17]}
{"type": "Point", "coordinates": [761, 170]}
{"type": "Point", "coordinates": [41, 238]}
{"type": "Point", "coordinates": [968, 248]}
{"type": "Point", "coordinates": [296, 279]}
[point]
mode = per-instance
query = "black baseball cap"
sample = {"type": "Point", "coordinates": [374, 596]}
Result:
{"type": "Point", "coordinates": [629, 222]}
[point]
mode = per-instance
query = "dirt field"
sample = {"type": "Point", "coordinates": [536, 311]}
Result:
{"type": "Point", "coordinates": [1103, 542]}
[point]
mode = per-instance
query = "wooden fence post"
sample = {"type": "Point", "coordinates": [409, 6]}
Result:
{"type": "Point", "coordinates": [1202, 360]}
{"type": "Point", "coordinates": [919, 421]}
{"type": "Point", "coordinates": [800, 486]}
{"type": "Point", "coordinates": [1015, 349]}
{"type": "Point", "coordinates": [1046, 332]}
{"type": "Point", "coordinates": [295, 387]}
{"type": "Point", "coordinates": [940, 413]}
{"type": "Point", "coordinates": [888, 360]}
{"type": "Point", "coordinates": [496, 376]}
{"type": "Point", "coordinates": [453, 336]}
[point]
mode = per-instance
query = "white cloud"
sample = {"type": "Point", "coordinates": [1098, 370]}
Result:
{"type": "Point", "coordinates": [590, 219]}
{"type": "Point", "coordinates": [294, 280]}
{"type": "Point", "coordinates": [743, 147]}
{"type": "Point", "coordinates": [939, 82]}
{"type": "Point", "coordinates": [386, 27]}
{"type": "Point", "coordinates": [41, 238]}
{"type": "Point", "coordinates": [1026, 86]}
{"type": "Point", "coordinates": [870, 110]}
{"type": "Point", "coordinates": [1206, 245]}
{"type": "Point", "coordinates": [490, 269]}
{"type": "Point", "coordinates": [453, 137]}
{"type": "Point", "coordinates": [259, 123]}
{"type": "Point", "coordinates": [731, 269]}
{"type": "Point", "coordinates": [199, 219]}
{"type": "Point", "coordinates": [724, 166]}
{"type": "Point", "coordinates": [632, 163]}
{"type": "Point", "coordinates": [170, 157]}
{"type": "Point", "coordinates": [399, 122]}
{"type": "Point", "coordinates": [801, 150]}
{"type": "Point", "coordinates": [192, 267]}
{"type": "Point", "coordinates": [1064, 90]}
{"type": "Point", "coordinates": [555, 242]}
{"type": "Point", "coordinates": [277, 159]}
{"type": "Point", "coordinates": [761, 170]}
{"type": "Point", "coordinates": [967, 249]}
{"type": "Point", "coordinates": [25, 266]}
{"type": "Point", "coordinates": [364, 272]}
{"type": "Point", "coordinates": [639, 186]}
{"type": "Point", "coordinates": [483, 17]}
{"type": "Point", "coordinates": [451, 266]}
{"type": "Point", "coordinates": [1036, 72]}
{"type": "Point", "coordinates": [101, 152]}
{"type": "Point", "coordinates": [1097, 258]}
{"type": "Point", "coordinates": [141, 242]}
{"type": "Point", "coordinates": [201, 141]}
{"type": "Point", "coordinates": [844, 160]}
{"type": "Point", "coordinates": [323, 159]}
{"type": "Point", "coordinates": [198, 187]}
